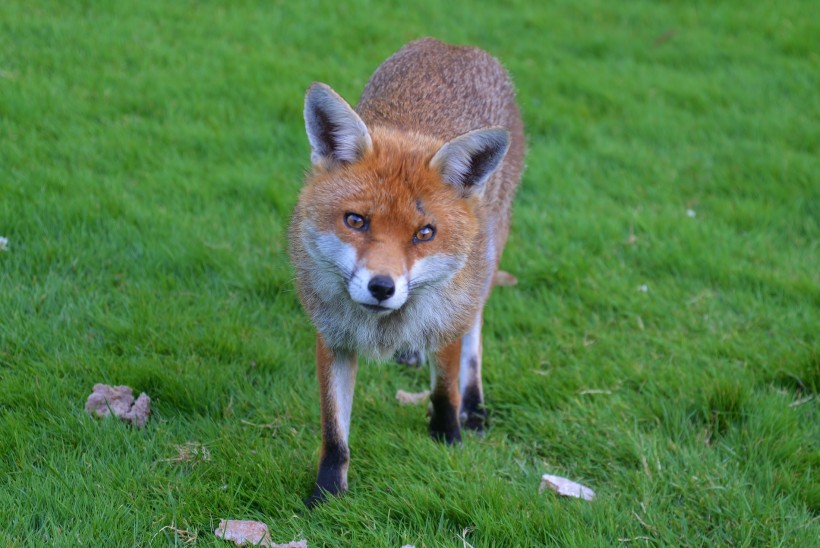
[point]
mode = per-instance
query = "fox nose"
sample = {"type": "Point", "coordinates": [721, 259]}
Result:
{"type": "Point", "coordinates": [381, 287]}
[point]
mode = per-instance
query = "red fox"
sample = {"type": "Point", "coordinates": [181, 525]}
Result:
{"type": "Point", "coordinates": [399, 229]}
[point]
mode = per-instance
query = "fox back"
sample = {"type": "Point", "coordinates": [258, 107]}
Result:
{"type": "Point", "coordinates": [444, 91]}
{"type": "Point", "coordinates": [412, 191]}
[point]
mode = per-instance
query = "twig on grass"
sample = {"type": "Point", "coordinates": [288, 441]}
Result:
{"type": "Point", "coordinates": [632, 239]}
{"type": "Point", "coordinates": [463, 535]}
{"type": "Point", "coordinates": [191, 451]}
{"type": "Point", "coordinates": [642, 522]}
{"type": "Point", "coordinates": [187, 537]}
{"type": "Point", "coordinates": [801, 401]}
{"type": "Point", "coordinates": [269, 426]}
{"type": "Point", "coordinates": [699, 297]}
{"type": "Point", "coordinates": [664, 38]}
{"type": "Point", "coordinates": [633, 539]}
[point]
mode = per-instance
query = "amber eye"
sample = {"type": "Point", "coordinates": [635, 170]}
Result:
{"type": "Point", "coordinates": [354, 221]}
{"type": "Point", "coordinates": [425, 234]}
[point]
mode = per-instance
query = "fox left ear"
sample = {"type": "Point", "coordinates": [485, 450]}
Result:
{"type": "Point", "coordinates": [468, 161]}
{"type": "Point", "coordinates": [335, 131]}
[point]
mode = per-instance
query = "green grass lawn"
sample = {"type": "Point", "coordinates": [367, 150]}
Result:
{"type": "Point", "coordinates": [150, 155]}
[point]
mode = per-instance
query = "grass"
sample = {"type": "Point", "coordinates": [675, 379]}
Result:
{"type": "Point", "coordinates": [151, 152]}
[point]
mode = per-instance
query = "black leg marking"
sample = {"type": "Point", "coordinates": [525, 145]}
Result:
{"type": "Point", "coordinates": [444, 420]}
{"type": "Point", "coordinates": [473, 412]}
{"type": "Point", "coordinates": [331, 480]}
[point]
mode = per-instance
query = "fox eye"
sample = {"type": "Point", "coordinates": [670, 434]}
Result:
{"type": "Point", "coordinates": [354, 221]}
{"type": "Point", "coordinates": [425, 234]}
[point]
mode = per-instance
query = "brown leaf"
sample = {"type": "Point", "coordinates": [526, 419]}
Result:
{"type": "Point", "coordinates": [410, 398]}
{"type": "Point", "coordinates": [254, 533]}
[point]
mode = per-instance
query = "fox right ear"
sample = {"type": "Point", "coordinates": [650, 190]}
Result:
{"type": "Point", "coordinates": [335, 131]}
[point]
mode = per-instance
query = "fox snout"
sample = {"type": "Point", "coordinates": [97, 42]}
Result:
{"type": "Point", "coordinates": [381, 287]}
{"type": "Point", "coordinates": [378, 292]}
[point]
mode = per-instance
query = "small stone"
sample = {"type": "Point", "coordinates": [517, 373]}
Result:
{"type": "Point", "coordinates": [565, 487]}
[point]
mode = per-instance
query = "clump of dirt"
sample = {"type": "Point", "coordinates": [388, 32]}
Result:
{"type": "Point", "coordinates": [119, 401]}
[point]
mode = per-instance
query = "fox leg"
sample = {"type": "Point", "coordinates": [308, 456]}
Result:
{"type": "Point", "coordinates": [472, 414]}
{"type": "Point", "coordinates": [445, 397]}
{"type": "Point", "coordinates": [336, 372]}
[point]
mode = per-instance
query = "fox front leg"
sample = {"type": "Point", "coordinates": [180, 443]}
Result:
{"type": "Point", "coordinates": [445, 396]}
{"type": "Point", "coordinates": [336, 372]}
{"type": "Point", "coordinates": [473, 415]}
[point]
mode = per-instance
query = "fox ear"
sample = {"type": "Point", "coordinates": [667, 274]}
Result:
{"type": "Point", "coordinates": [335, 131]}
{"type": "Point", "coordinates": [468, 161]}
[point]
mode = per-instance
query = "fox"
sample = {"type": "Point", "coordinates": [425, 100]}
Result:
{"type": "Point", "coordinates": [399, 228]}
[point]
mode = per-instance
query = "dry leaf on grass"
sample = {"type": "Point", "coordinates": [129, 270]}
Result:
{"type": "Point", "coordinates": [410, 398]}
{"type": "Point", "coordinates": [566, 487]}
{"type": "Point", "coordinates": [504, 279]}
{"type": "Point", "coordinates": [253, 533]}
{"type": "Point", "coordinates": [119, 400]}
{"type": "Point", "coordinates": [191, 452]}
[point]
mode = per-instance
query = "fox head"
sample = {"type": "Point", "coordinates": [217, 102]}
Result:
{"type": "Point", "coordinates": [386, 214]}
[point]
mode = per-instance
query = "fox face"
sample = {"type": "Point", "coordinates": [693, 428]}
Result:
{"type": "Point", "coordinates": [388, 223]}
{"type": "Point", "coordinates": [391, 227]}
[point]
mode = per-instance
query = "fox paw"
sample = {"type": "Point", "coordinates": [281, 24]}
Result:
{"type": "Point", "coordinates": [321, 495]}
{"type": "Point", "coordinates": [477, 421]}
{"type": "Point", "coordinates": [450, 436]}
{"type": "Point", "coordinates": [412, 358]}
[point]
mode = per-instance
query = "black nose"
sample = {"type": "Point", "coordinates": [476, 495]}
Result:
{"type": "Point", "coordinates": [381, 287]}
